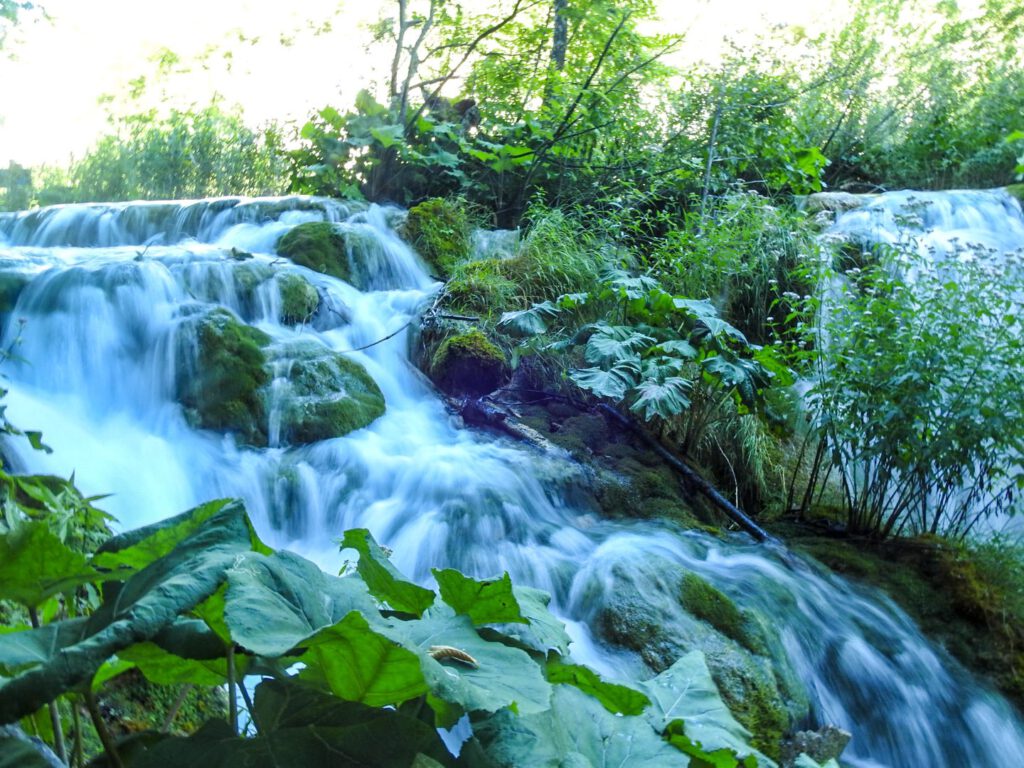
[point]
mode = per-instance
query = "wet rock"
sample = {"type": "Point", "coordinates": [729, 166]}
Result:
{"type": "Point", "coordinates": [319, 394]}
{"type": "Point", "coordinates": [439, 231]}
{"type": "Point", "coordinates": [1016, 190]}
{"type": "Point", "coordinates": [644, 612]}
{"type": "Point", "coordinates": [822, 745]}
{"type": "Point", "coordinates": [468, 364]}
{"type": "Point", "coordinates": [220, 375]}
{"type": "Point", "coordinates": [232, 380]}
{"type": "Point", "coordinates": [834, 202]}
{"type": "Point", "coordinates": [317, 245]}
{"type": "Point", "coordinates": [299, 299]}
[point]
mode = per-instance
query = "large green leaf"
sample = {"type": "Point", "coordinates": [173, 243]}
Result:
{"type": "Point", "coordinates": [357, 664]}
{"type": "Point", "coordinates": [665, 398]}
{"type": "Point", "coordinates": [165, 668]}
{"type": "Point", "coordinates": [610, 344]}
{"type": "Point", "coordinates": [382, 578]}
{"type": "Point", "coordinates": [138, 548]}
{"type": "Point", "coordinates": [298, 726]}
{"type": "Point", "coordinates": [31, 647]}
{"type": "Point", "coordinates": [543, 631]}
{"type": "Point", "coordinates": [35, 564]}
{"type": "Point", "coordinates": [139, 610]}
{"type": "Point", "coordinates": [617, 699]}
{"type": "Point", "coordinates": [613, 383]}
{"type": "Point", "coordinates": [502, 676]}
{"type": "Point", "coordinates": [686, 706]}
{"type": "Point", "coordinates": [274, 603]}
{"type": "Point", "coordinates": [490, 601]}
{"type": "Point", "coordinates": [577, 732]}
{"type": "Point", "coordinates": [529, 322]}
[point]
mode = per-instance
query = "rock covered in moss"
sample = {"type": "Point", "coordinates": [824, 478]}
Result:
{"type": "Point", "coordinates": [439, 230]}
{"type": "Point", "coordinates": [644, 613]}
{"type": "Point", "coordinates": [231, 379]}
{"type": "Point", "coordinates": [221, 373]}
{"type": "Point", "coordinates": [317, 245]}
{"type": "Point", "coordinates": [468, 364]}
{"type": "Point", "coordinates": [299, 299]}
{"type": "Point", "coordinates": [322, 394]}
{"type": "Point", "coordinates": [1017, 190]}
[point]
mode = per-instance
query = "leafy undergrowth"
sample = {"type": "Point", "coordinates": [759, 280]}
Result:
{"type": "Point", "coordinates": [969, 597]}
{"type": "Point", "coordinates": [360, 669]}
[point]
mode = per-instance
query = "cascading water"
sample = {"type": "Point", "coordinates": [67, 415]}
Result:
{"type": "Point", "coordinates": [104, 297]}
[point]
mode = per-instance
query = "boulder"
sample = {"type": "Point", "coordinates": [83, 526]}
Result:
{"type": "Point", "coordinates": [439, 231]}
{"type": "Point", "coordinates": [835, 202]}
{"type": "Point", "coordinates": [221, 373]}
{"type": "Point", "coordinates": [299, 299]}
{"type": "Point", "coordinates": [644, 612]}
{"type": "Point", "coordinates": [231, 379]}
{"type": "Point", "coordinates": [822, 745]}
{"type": "Point", "coordinates": [317, 245]}
{"type": "Point", "coordinates": [468, 364]}
{"type": "Point", "coordinates": [319, 394]}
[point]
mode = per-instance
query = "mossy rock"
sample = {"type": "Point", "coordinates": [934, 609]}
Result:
{"type": "Point", "coordinates": [317, 245]}
{"type": "Point", "coordinates": [1017, 191]}
{"type": "Point", "coordinates": [220, 385]}
{"type": "Point", "coordinates": [480, 287]}
{"type": "Point", "coordinates": [643, 613]}
{"type": "Point", "coordinates": [469, 364]}
{"type": "Point", "coordinates": [299, 299]}
{"type": "Point", "coordinates": [708, 604]}
{"type": "Point", "coordinates": [439, 230]}
{"type": "Point", "coordinates": [327, 395]}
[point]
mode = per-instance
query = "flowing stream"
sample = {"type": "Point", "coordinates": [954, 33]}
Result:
{"type": "Point", "coordinates": [102, 295]}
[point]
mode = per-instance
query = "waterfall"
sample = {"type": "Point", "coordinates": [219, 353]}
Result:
{"type": "Point", "coordinates": [101, 302]}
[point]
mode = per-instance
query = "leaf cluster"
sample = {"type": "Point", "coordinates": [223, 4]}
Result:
{"type": "Point", "coordinates": [357, 669]}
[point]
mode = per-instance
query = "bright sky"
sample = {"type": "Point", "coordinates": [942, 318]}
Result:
{"type": "Point", "coordinates": [49, 91]}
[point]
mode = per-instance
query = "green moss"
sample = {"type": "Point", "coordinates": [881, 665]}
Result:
{"type": "Point", "coordinates": [708, 604]}
{"type": "Point", "coordinates": [480, 288]}
{"type": "Point", "coordinates": [468, 364]}
{"type": "Point", "coordinates": [220, 388]}
{"type": "Point", "coordinates": [1017, 190]}
{"type": "Point", "coordinates": [439, 230]}
{"type": "Point", "coordinates": [317, 245]}
{"type": "Point", "coordinates": [299, 299]}
{"type": "Point", "coordinates": [328, 395]}
{"type": "Point", "coordinates": [750, 691]}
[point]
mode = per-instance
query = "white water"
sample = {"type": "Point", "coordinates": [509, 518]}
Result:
{"type": "Point", "coordinates": [109, 290]}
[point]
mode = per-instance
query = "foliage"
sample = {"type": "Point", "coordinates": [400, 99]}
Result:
{"type": "Point", "coordinates": [664, 356]}
{"type": "Point", "coordinates": [191, 153]}
{"type": "Point", "coordinates": [199, 599]}
{"type": "Point", "coordinates": [917, 389]}
{"type": "Point", "coordinates": [439, 230]}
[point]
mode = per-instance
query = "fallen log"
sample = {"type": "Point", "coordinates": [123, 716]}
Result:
{"type": "Point", "coordinates": [692, 477]}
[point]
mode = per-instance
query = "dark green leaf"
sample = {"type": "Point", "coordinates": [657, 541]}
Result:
{"type": "Point", "coordinates": [617, 699]}
{"type": "Point", "coordinates": [35, 564]}
{"type": "Point", "coordinates": [147, 603]}
{"type": "Point", "coordinates": [357, 664]}
{"type": "Point", "coordinates": [576, 732]}
{"type": "Point", "coordinates": [490, 601]}
{"type": "Point", "coordinates": [382, 578]}
{"type": "Point", "coordinates": [274, 603]}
